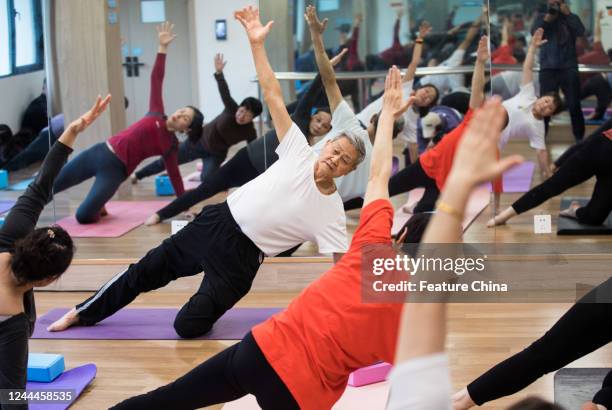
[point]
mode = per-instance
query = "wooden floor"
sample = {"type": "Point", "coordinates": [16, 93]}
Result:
{"type": "Point", "coordinates": [480, 335]}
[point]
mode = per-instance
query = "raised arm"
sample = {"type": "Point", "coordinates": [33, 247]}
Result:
{"type": "Point", "coordinates": [573, 21]}
{"type": "Point", "coordinates": [165, 37]}
{"type": "Point", "coordinates": [417, 51]}
{"type": "Point", "coordinates": [478, 78]}
{"type": "Point", "coordinates": [24, 215]}
{"type": "Point", "coordinates": [257, 33]}
{"type": "Point", "coordinates": [224, 91]}
{"type": "Point", "coordinates": [382, 153]}
{"type": "Point", "coordinates": [597, 31]}
{"type": "Point", "coordinates": [536, 42]}
{"type": "Point", "coordinates": [328, 76]}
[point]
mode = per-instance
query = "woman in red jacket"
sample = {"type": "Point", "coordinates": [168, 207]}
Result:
{"type": "Point", "coordinates": [111, 162]}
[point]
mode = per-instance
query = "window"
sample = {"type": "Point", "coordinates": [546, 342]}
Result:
{"type": "Point", "coordinates": [153, 11]}
{"type": "Point", "coordinates": [21, 37]}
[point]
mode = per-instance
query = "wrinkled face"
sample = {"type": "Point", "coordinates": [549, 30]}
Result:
{"type": "Point", "coordinates": [544, 106]}
{"type": "Point", "coordinates": [425, 96]}
{"type": "Point", "coordinates": [243, 116]}
{"type": "Point", "coordinates": [337, 158]}
{"type": "Point", "coordinates": [320, 124]}
{"type": "Point", "coordinates": [181, 119]}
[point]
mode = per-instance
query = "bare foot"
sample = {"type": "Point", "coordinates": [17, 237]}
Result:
{"type": "Point", "coordinates": [189, 215]}
{"type": "Point", "coordinates": [103, 212]}
{"type": "Point", "coordinates": [69, 319]}
{"type": "Point", "coordinates": [153, 220]}
{"type": "Point", "coordinates": [553, 168]}
{"type": "Point", "coordinates": [462, 400]}
{"type": "Point", "coordinates": [571, 211]}
{"type": "Point", "coordinates": [495, 222]}
{"type": "Point", "coordinates": [134, 179]}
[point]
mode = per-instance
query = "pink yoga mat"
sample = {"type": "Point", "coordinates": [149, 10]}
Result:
{"type": "Point", "coordinates": [6, 206]}
{"type": "Point", "coordinates": [372, 397]}
{"type": "Point", "coordinates": [518, 179]}
{"type": "Point", "coordinates": [191, 181]}
{"type": "Point", "coordinates": [478, 201]}
{"type": "Point", "coordinates": [73, 380]}
{"type": "Point", "coordinates": [152, 324]}
{"type": "Point", "coordinates": [123, 216]}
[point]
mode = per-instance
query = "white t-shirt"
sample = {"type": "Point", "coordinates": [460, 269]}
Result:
{"type": "Point", "coordinates": [422, 383]}
{"type": "Point", "coordinates": [352, 185]}
{"type": "Point", "coordinates": [521, 122]}
{"type": "Point", "coordinates": [409, 132]}
{"type": "Point", "coordinates": [283, 207]}
{"type": "Point", "coordinates": [446, 83]}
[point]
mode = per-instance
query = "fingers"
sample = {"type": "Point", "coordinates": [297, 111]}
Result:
{"type": "Point", "coordinates": [325, 21]}
{"type": "Point", "coordinates": [268, 26]}
{"type": "Point", "coordinates": [507, 163]}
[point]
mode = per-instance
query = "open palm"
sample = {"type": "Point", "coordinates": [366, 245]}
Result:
{"type": "Point", "coordinates": [90, 116]}
{"type": "Point", "coordinates": [537, 39]}
{"type": "Point", "coordinates": [249, 18]}
{"type": "Point", "coordinates": [165, 34]}
{"type": "Point", "coordinates": [313, 21]}
{"type": "Point", "coordinates": [393, 100]}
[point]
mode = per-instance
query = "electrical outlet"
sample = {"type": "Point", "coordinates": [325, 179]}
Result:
{"type": "Point", "coordinates": [542, 224]}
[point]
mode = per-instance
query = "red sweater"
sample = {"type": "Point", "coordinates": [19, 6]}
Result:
{"type": "Point", "coordinates": [149, 137]}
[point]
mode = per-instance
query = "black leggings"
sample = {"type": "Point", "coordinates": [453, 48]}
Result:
{"type": "Point", "coordinates": [411, 177]}
{"type": "Point", "coordinates": [236, 172]}
{"type": "Point", "coordinates": [582, 330]}
{"type": "Point", "coordinates": [14, 333]}
{"type": "Point", "coordinates": [235, 372]}
{"type": "Point", "coordinates": [592, 159]}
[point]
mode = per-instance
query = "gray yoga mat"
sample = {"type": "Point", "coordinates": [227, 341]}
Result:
{"type": "Point", "coordinates": [575, 386]}
{"type": "Point", "coordinates": [569, 226]}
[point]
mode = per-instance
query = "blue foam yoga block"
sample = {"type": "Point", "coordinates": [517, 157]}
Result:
{"type": "Point", "coordinates": [45, 367]}
{"type": "Point", "coordinates": [3, 179]}
{"type": "Point", "coordinates": [163, 186]}
{"type": "Point", "coordinates": [1, 221]}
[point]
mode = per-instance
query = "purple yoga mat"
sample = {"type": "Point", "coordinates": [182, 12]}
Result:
{"type": "Point", "coordinates": [518, 179]}
{"type": "Point", "coordinates": [76, 380]}
{"type": "Point", "coordinates": [6, 206]}
{"type": "Point", "coordinates": [152, 324]}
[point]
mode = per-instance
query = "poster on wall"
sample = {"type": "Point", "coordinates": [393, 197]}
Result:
{"type": "Point", "coordinates": [606, 23]}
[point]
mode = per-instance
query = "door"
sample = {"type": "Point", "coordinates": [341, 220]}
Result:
{"type": "Point", "coordinates": [139, 53]}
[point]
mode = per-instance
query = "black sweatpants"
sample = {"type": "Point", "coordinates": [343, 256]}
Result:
{"type": "Point", "coordinates": [411, 177]}
{"type": "Point", "coordinates": [212, 243]}
{"type": "Point", "coordinates": [236, 172]}
{"type": "Point", "coordinates": [600, 88]}
{"type": "Point", "coordinates": [235, 372]}
{"type": "Point", "coordinates": [14, 333]}
{"type": "Point", "coordinates": [582, 330]}
{"type": "Point", "coordinates": [591, 159]}
{"type": "Point", "coordinates": [568, 81]}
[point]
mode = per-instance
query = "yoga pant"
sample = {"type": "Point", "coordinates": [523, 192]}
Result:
{"type": "Point", "coordinates": [14, 333]}
{"type": "Point", "coordinates": [36, 151]}
{"type": "Point", "coordinates": [235, 372]}
{"type": "Point", "coordinates": [212, 243]}
{"type": "Point", "coordinates": [236, 172]}
{"type": "Point", "coordinates": [458, 100]}
{"type": "Point", "coordinates": [592, 159]}
{"type": "Point", "coordinates": [355, 203]}
{"type": "Point", "coordinates": [582, 330]}
{"type": "Point", "coordinates": [569, 82]}
{"type": "Point", "coordinates": [578, 146]}
{"type": "Point", "coordinates": [187, 152]}
{"type": "Point", "coordinates": [413, 177]}
{"type": "Point", "coordinates": [109, 171]}
{"type": "Point", "coordinates": [600, 88]}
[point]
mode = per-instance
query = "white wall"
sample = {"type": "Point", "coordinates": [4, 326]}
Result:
{"type": "Point", "coordinates": [18, 91]}
{"type": "Point", "coordinates": [240, 69]}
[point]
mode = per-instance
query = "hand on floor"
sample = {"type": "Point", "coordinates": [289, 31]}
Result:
{"type": "Point", "coordinates": [153, 220]}
{"type": "Point", "coordinates": [462, 400]}
{"type": "Point", "coordinates": [69, 319]}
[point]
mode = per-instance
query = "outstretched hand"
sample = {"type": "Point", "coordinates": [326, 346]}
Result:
{"type": "Point", "coordinates": [393, 99]}
{"type": "Point", "coordinates": [219, 63]}
{"type": "Point", "coordinates": [90, 116]}
{"type": "Point", "coordinates": [482, 54]}
{"type": "Point", "coordinates": [476, 160]}
{"type": "Point", "coordinates": [338, 57]}
{"type": "Point", "coordinates": [165, 34]}
{"type": "Point", "coordinates": [537, 39]}
{"type": "Point", "coordinates": [256, 31]}
{"type": "Point", "coordinates": [316, 25]}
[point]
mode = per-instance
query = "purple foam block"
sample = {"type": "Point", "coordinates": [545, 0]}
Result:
{"type": "Point", "coordinates": [75, 380]}
{"type": "Point", "coordinates": [370, 375]}
{"type": "Point", "coordinates": [152, 324]}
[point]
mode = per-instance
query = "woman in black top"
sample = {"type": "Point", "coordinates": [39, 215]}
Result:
{"type": "Point", "coordinates": [31, 258]}
{"type": "Point", "coordinates": [252, 160]}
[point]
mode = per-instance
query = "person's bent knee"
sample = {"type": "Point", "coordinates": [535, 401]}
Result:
{"type": "Point", "coordinates": [186, 329]}
{"type": "Point", "coordinates": [85, 218]}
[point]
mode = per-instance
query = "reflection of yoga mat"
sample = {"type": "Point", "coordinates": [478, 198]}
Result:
{"type": "Point", "coordinates": [478, 201]}
{"type": "Point", "coordinates": [191, 181]}
{"type": "Point", "coordinates": [569, 226]}
{"type": "Point", "coordinates": [574, 387]}
{"type": "Point", "coordinates": [5, 206]}
{"type": "Point", "coordinates": [373, 397]}
{"type": "Point", "coordinates": [123, 216]}
{"type": "Point", "coordinates": [152, 324]}
{"type": "Point", "coordinates": [75, 380]}
{"type": "Point", "coordinates": [21, 186]}
{"type": "Point", "coordinates": [518, 179]}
